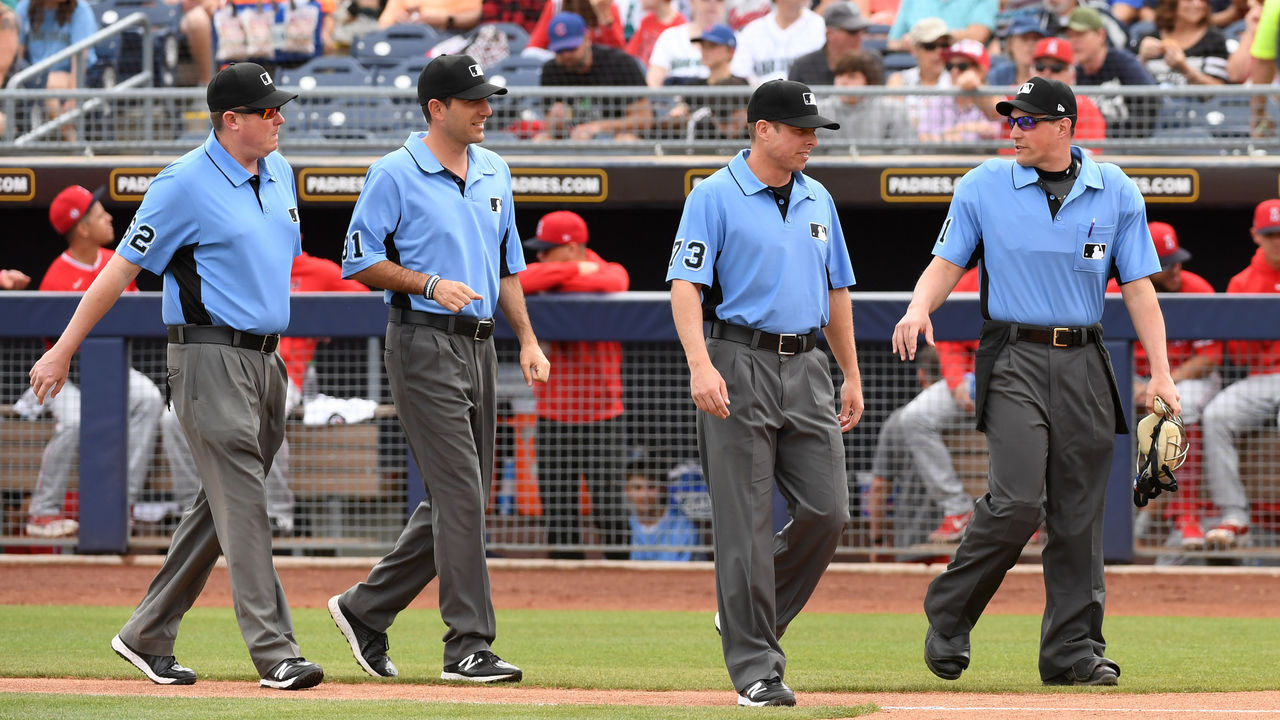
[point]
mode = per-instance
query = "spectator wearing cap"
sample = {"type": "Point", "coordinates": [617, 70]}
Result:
{"type": "Point", "coordinates": [768, 46]}
{"type": "Point", "coordinates": [676, 59]}
{"type": "Point", "coordinates": [705, 117]}
{"type": "Point", "coordinates": [659, 16]}
{"type": "Point", "coordinates": [579, 63]}
{"type": "Point", "coordinates": [443, 15]}
{"type": "Point", "coordinates": [872, 120]}
{"type": "Point", "coordinates": [1054, 58]}
{"type": "Point", "coordinates": [1023, 33]}
{"type": "Point", "coordinates": [927, 40]}
{"type": "Point", "coordinates": [84, 224]}
{"type": "Point", "coordinates": [966, 117]}
{"type": "Point", "coordinates": [1185, 48]}
{"type": "Point", "coordinates": [1194, 366]}
{"type": "Point", "coordinates": [447, 203]}
{"type": "Point", "coordinates": [760, 244]}
{"type": "Point", "coordinates": [224, 318]}
{"type": "Point", "coordinates": [581, 431]}
{"type": "Point", "coordinates": [602, 18]}
{"type": "Point", "coordinates": [1059, 12]}
{"type": "Point", "coordinates": [1101, 64]}
{"type": "Point", "coordinates": [973, 19]}
{"type": "Point", "coordinates": [1247, 403]}
{"type": "Point", "coordinates": [846, 27]}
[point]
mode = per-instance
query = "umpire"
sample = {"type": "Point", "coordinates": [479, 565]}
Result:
{"type": "Point", "coordinates": [761, 255]}
{"type": "Point", "coordinates": [1046, 228]}
{"type": "Point", "coordinates": [225, 261]}
{"type": "Point", "coordinates": [435, 227]}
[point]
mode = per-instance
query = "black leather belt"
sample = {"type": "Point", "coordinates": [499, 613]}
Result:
{"type": "Point", "coordinates": [784, 344]}
{"type": "Point", "coordinates": [471, 327]}
{"type": "Point", "coordinates": [1058, 336]}
{"type": "Point", "coordinates": [222, 335]}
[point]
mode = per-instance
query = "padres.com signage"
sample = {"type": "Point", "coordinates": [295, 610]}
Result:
{"type": "Point", "coordinates": [130, 184]}
{"type": "Point", "coordinates": [1166, 185]}
{"type": "Point", "coordinates": [17, 184]}
{"type": "Point", "coordinates": [918, 185]}
{"type": "Point", "coordinates": [330, 184]}
{"type": "Point", "coordinates": [560, 185]}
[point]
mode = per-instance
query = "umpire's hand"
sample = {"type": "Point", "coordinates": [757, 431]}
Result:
{"type": "Point", "coordinates": [454, 295]}
{"type": "Point", "coordinates": [49, 374]}
{"type": "Point", "coordinates": [709, 391]}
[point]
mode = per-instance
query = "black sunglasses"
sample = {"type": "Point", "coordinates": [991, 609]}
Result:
{"type": "Point", "coordinates": [1050, 67]}
{"type": "Point", "coordinates": [936, 44]}
{"type": "Point", "coordinates": [959, 66]}
{"type": "Point", "coordinates": [1026, 122]}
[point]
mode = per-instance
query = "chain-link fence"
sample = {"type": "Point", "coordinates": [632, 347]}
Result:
{"type": "Point", "coordinates": [355, 116]}
{"type": "Point", "coordinates": [608, 465]}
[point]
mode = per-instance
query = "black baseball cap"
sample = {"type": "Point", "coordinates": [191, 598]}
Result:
{"type": "Point", "coordinates": [787, 102]}
{"type": "Point", "coordinates": [244, 84]}
{"type": "Point", "coordinates": [1041, 96]}
{"type": "Point", "coordinates": [454, 76]}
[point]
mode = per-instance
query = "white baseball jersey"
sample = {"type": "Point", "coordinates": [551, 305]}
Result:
{"type": "Point", "coordinates": [766, 51]}
{"type": "Point", "coordinates": [675, 52]}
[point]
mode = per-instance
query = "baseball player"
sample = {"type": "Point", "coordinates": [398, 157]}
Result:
{"type": "Point", "coordinates": [1249, 402]}
{"type": "Point", "coordinates": [86, 226]}
{"type": "Point", "coordinates": [1194, 366]}
{"type": "Point", "coordinates": [1045, 393]}
{"type": "Point", "coordinates": [225, 262]}
{"type": "Point", "coordinates": [760, 254]}
{"type": "Point", "coordinates": [435, 227]}
{"type": "Point", "coordinates": [580, 427]}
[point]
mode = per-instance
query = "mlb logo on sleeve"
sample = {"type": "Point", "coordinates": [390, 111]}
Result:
{"type": "Point", "coordinates": [495, 204]}
{"type": "Point", "coordinates": [1095, 251]}
{"type": "Point", "coordinates": [818, 232]}
{"type": "Point", "coordinates": [293, 214]}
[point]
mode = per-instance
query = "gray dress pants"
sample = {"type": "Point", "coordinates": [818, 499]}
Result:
{"type": "Point", "coordinates": [230, 402]}
{"type": "Point", "coordinates": [781, 428]}
{"type": "Point", "coordinates": [1050, 425]}
{"type": "Point", "coordinates": [443, 385]}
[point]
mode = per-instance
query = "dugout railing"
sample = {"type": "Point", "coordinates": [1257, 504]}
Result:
{"type": "Point", "coordinates": [1224, 120]}
{"type": "Point", "coordinates": [353, 482]}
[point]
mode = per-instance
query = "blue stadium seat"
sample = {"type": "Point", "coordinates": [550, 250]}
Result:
{"type": "Point", "coordinates": [391, 46]}
{"type": "Point", "coordinates": [326, 71]}
{"type": "Point", "coordinates": [896, 61]}
{"type": "Point", "coordinates": [125, 51]}
{"type": "Point", "coordinates": [517, 36]}
{"type": "Point", "coordinates": [403, 77]}
{"type": "Point", "coordinates": [517, 71]}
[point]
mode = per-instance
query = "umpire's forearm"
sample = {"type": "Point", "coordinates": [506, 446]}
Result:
{"type": "Point", "coordinates": [686, 311]}
{"type": "Point", "coordinates": [1144, 310]}
{"type": "Point", "coordinates": [839, 332]}
{"type": "Point", "coordinates": [511, 301]}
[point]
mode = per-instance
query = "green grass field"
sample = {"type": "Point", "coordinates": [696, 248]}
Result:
{"type": "Point", "coordinates": [619, 650]}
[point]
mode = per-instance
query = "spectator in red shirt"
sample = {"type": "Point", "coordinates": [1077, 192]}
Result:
{"type": "Point", "coordinates": [580, 429]}
{"type": "Point", "coordinates": [604, 23]}
{"type": "Point", "coordinates": [1250, 402]}
{"type": "Point", "coordinates": [524, 13]}
{"type": "Point", "coordinates": [1195, 371]}
{"type": "Point", "coordinates": [660, 15]}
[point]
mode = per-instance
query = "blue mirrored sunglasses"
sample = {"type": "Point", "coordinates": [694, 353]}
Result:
{"type": "Point", "coordinates": [1026, 122]}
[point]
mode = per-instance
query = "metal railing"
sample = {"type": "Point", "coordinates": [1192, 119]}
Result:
{"type": "Point", "coordinates": [1229, 120]}
{"type": "Point", "coordinates": [93, 99]}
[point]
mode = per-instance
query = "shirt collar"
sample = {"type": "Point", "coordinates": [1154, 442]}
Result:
{"type": "Point", "coordinates": [750, 184]}
{"type": "Point", "coordinates": [427, 162]}
{"type": "Point", "coordinates": [227, 165]}
{"type": "Point", "coordinates": [1090, 173]}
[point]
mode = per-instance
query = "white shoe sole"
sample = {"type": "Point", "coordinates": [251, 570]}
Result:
{"type": "Point", "coordinates": [123, 651]}
{"type": "Point", "coordinates": [509, 677]}
{"type": "Point", "coordinates": [309, 679]}
{"type": "Point", "coordinates": [52, 531]}
{"type": "Point", "coordinates": [349, 633]}
{"type": "Point", "coordinates": [744, 701]}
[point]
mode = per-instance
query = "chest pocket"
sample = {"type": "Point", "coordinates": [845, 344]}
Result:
{"type": "Point", "coordinates": [1094, 245]}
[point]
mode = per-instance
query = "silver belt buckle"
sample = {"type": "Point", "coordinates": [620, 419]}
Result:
{"type": "Point", "coordinates": [480, 325]}
{"type": "Point", "coordinates": [1055, 337]}
{"type": "Point", "coordinates": [784, 336]}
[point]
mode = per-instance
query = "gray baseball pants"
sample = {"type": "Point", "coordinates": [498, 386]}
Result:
{"type": "Point", "coordinates": [1050, 425]}
{"type": "Point", "coordinates": [1243, 405]}
{"type": "Point", "coordinates": [924, 419]}
{"type": "Point", "coordinates": [230, 402]}
{"type": "Point", "coordinates": [781, 429]}
{"type": "Point", "coordinates": [444, 387]}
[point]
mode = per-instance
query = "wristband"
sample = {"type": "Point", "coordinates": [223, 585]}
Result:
{"type": "Point", "coordinates": [429, 290]}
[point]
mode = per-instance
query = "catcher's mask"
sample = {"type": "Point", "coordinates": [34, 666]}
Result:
{"type": "Point", "coordinates": [1162, 448]}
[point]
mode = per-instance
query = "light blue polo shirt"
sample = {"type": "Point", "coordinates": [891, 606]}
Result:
{"type": "Point", "coordinates": [52, 37]}
{"type": "Point", "coordinates": [412, 213]}
{"type": "Point", "coordinates": [225, 258]}
{"type": "Point", "coordinates": [773, 275]}
{"type": "Point", "coordinates": [1043, 270]}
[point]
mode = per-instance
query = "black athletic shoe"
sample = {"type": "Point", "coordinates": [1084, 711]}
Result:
{"type": "Point", "coordinates": [293, 674]}
{"type": "Point", "coordinates": [946, 657]}
{"type": "Point", "coordinates": [368, 645]}
{"type": "Point", "coordinates": [482, 666]}
{"type": "Point", "coordinates": [1089, 671]}
{"type": "Point", "coordinates": [767, 693]}
{"type": "Point", "coordinates": [160, 669]}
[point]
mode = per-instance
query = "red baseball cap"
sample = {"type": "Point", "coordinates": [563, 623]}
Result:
{"type": "Point", "coordinates": [70, 207]}
{"type": "Point", "coordinates": [1056, 48]}
{"type": "Point", "coordinates": [561, 227]}
{"type": "Point", "coordinates": [971, 49]}
{"type": "Point", "coordinates": [1266, 217]}
{"type": "Point", "coordinates": [1167, 247]}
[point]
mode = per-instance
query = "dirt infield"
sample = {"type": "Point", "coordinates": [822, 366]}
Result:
{"type": "Point", "coordinates": [1209, 592]}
